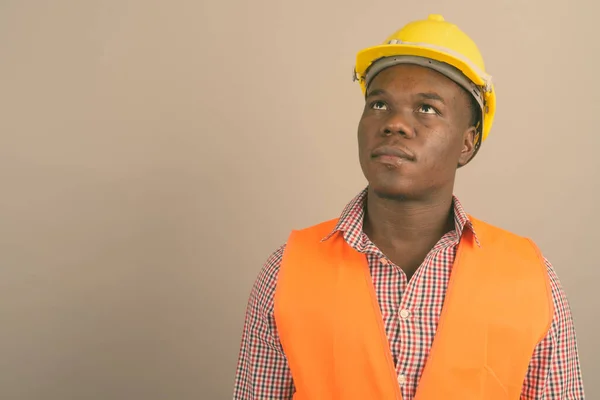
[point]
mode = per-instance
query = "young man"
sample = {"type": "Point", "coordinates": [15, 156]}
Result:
{"type": "Point", "coordinates": [405, 296]}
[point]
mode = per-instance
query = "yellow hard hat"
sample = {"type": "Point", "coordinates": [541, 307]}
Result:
{"type": "Point", "coordinates": [439, 45]}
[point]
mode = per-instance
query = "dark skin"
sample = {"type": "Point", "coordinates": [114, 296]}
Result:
{"type": "Point", "coordinates": [415, 131]}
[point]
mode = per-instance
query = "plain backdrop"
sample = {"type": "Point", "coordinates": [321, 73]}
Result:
{"type": "Point", "coordinates": [154, 153]}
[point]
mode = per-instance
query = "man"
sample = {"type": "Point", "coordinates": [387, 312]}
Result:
{"type": "Point", "coordinates": [405, 295]}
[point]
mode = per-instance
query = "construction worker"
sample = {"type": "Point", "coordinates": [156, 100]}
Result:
{"type": "Point", "coordinates": [405, 295]}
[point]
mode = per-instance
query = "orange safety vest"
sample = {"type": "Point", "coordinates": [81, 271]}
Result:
{"type": "Point", "coordinates": [498, 307]}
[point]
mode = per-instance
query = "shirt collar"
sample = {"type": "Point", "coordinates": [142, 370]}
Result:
{"type": "Point", "coordinates": [350, 222]}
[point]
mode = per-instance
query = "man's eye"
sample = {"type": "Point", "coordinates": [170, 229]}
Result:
{"type": "Point", "coordinates": [427, 109]}
{"type": "Point", "coordinates": [378, 105]}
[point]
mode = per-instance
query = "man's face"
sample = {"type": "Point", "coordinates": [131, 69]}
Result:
{"type": "Point", "coordinates": [414, 132]}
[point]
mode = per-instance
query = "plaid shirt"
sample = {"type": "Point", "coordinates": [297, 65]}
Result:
{"type": "Point", "coordinates": [411, 311]}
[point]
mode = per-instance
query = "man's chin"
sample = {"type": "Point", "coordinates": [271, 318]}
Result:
{"type": "Point", "coordinates": [390, 192]}
{"type": "Point", "coordinates": [392, 186]}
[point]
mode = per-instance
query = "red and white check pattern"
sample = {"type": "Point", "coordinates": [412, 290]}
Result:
{"type": "Point", "coordinates": [411, 311]}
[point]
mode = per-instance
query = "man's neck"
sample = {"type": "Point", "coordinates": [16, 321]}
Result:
{"type": "Point", "coordinates": [394, 222]}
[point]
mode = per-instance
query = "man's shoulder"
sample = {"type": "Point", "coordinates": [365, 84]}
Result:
{"type": "Point", "coordinates": [485, 229]}
{"type": "Point", "coordinates": [271, 266]}
{"type": "Point", "coordinates": [273, 262]}
{"type": "Point", "coordinates": [267, 276]}
{"type": "Point", "coordinates": [328, 223]}
{"type": "Point", "coordinates": [320, 229]}
{"type": "Point", "coordinates": [263, 289]}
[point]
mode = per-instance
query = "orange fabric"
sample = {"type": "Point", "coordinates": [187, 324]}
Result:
{"type": "Point", "coordinates": [498, 306]}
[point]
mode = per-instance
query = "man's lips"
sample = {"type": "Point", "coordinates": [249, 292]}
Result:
{"type": "Point", "coordinates": [390, 153]}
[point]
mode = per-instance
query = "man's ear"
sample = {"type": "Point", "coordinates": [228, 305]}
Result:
{"type": "Point", "coordinates": [470, 138]}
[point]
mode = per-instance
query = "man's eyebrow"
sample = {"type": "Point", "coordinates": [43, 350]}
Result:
{"type": "Point", "coordinates": [423, 95]}
{"type": "Point", "coordinates": [375, 92]}
{"type": "Point", "coordinates": [431, 96]}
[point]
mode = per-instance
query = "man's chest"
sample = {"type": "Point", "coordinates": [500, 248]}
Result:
{"type": "Point", "coordinates": [411, 309]}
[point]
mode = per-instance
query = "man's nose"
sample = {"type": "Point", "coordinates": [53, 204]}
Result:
{"type": "Point", "coordinates": [398, 122]}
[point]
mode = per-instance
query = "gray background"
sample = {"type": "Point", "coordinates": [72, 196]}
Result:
{"type": "Point", "coordinates": [154, 153]}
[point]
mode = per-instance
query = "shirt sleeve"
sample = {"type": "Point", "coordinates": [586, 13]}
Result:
{"type": "Point", "coordinates": [554, 372]}
{"type": "Point", "coordinates": [262, 369]}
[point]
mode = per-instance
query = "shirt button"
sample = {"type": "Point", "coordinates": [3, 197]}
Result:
{"type": "Point", "coordinates": [401, 379]}
{"type": "Point", "coordinates": [404, 314]}
{"type": "Point", "coordinates": [383, 261]}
